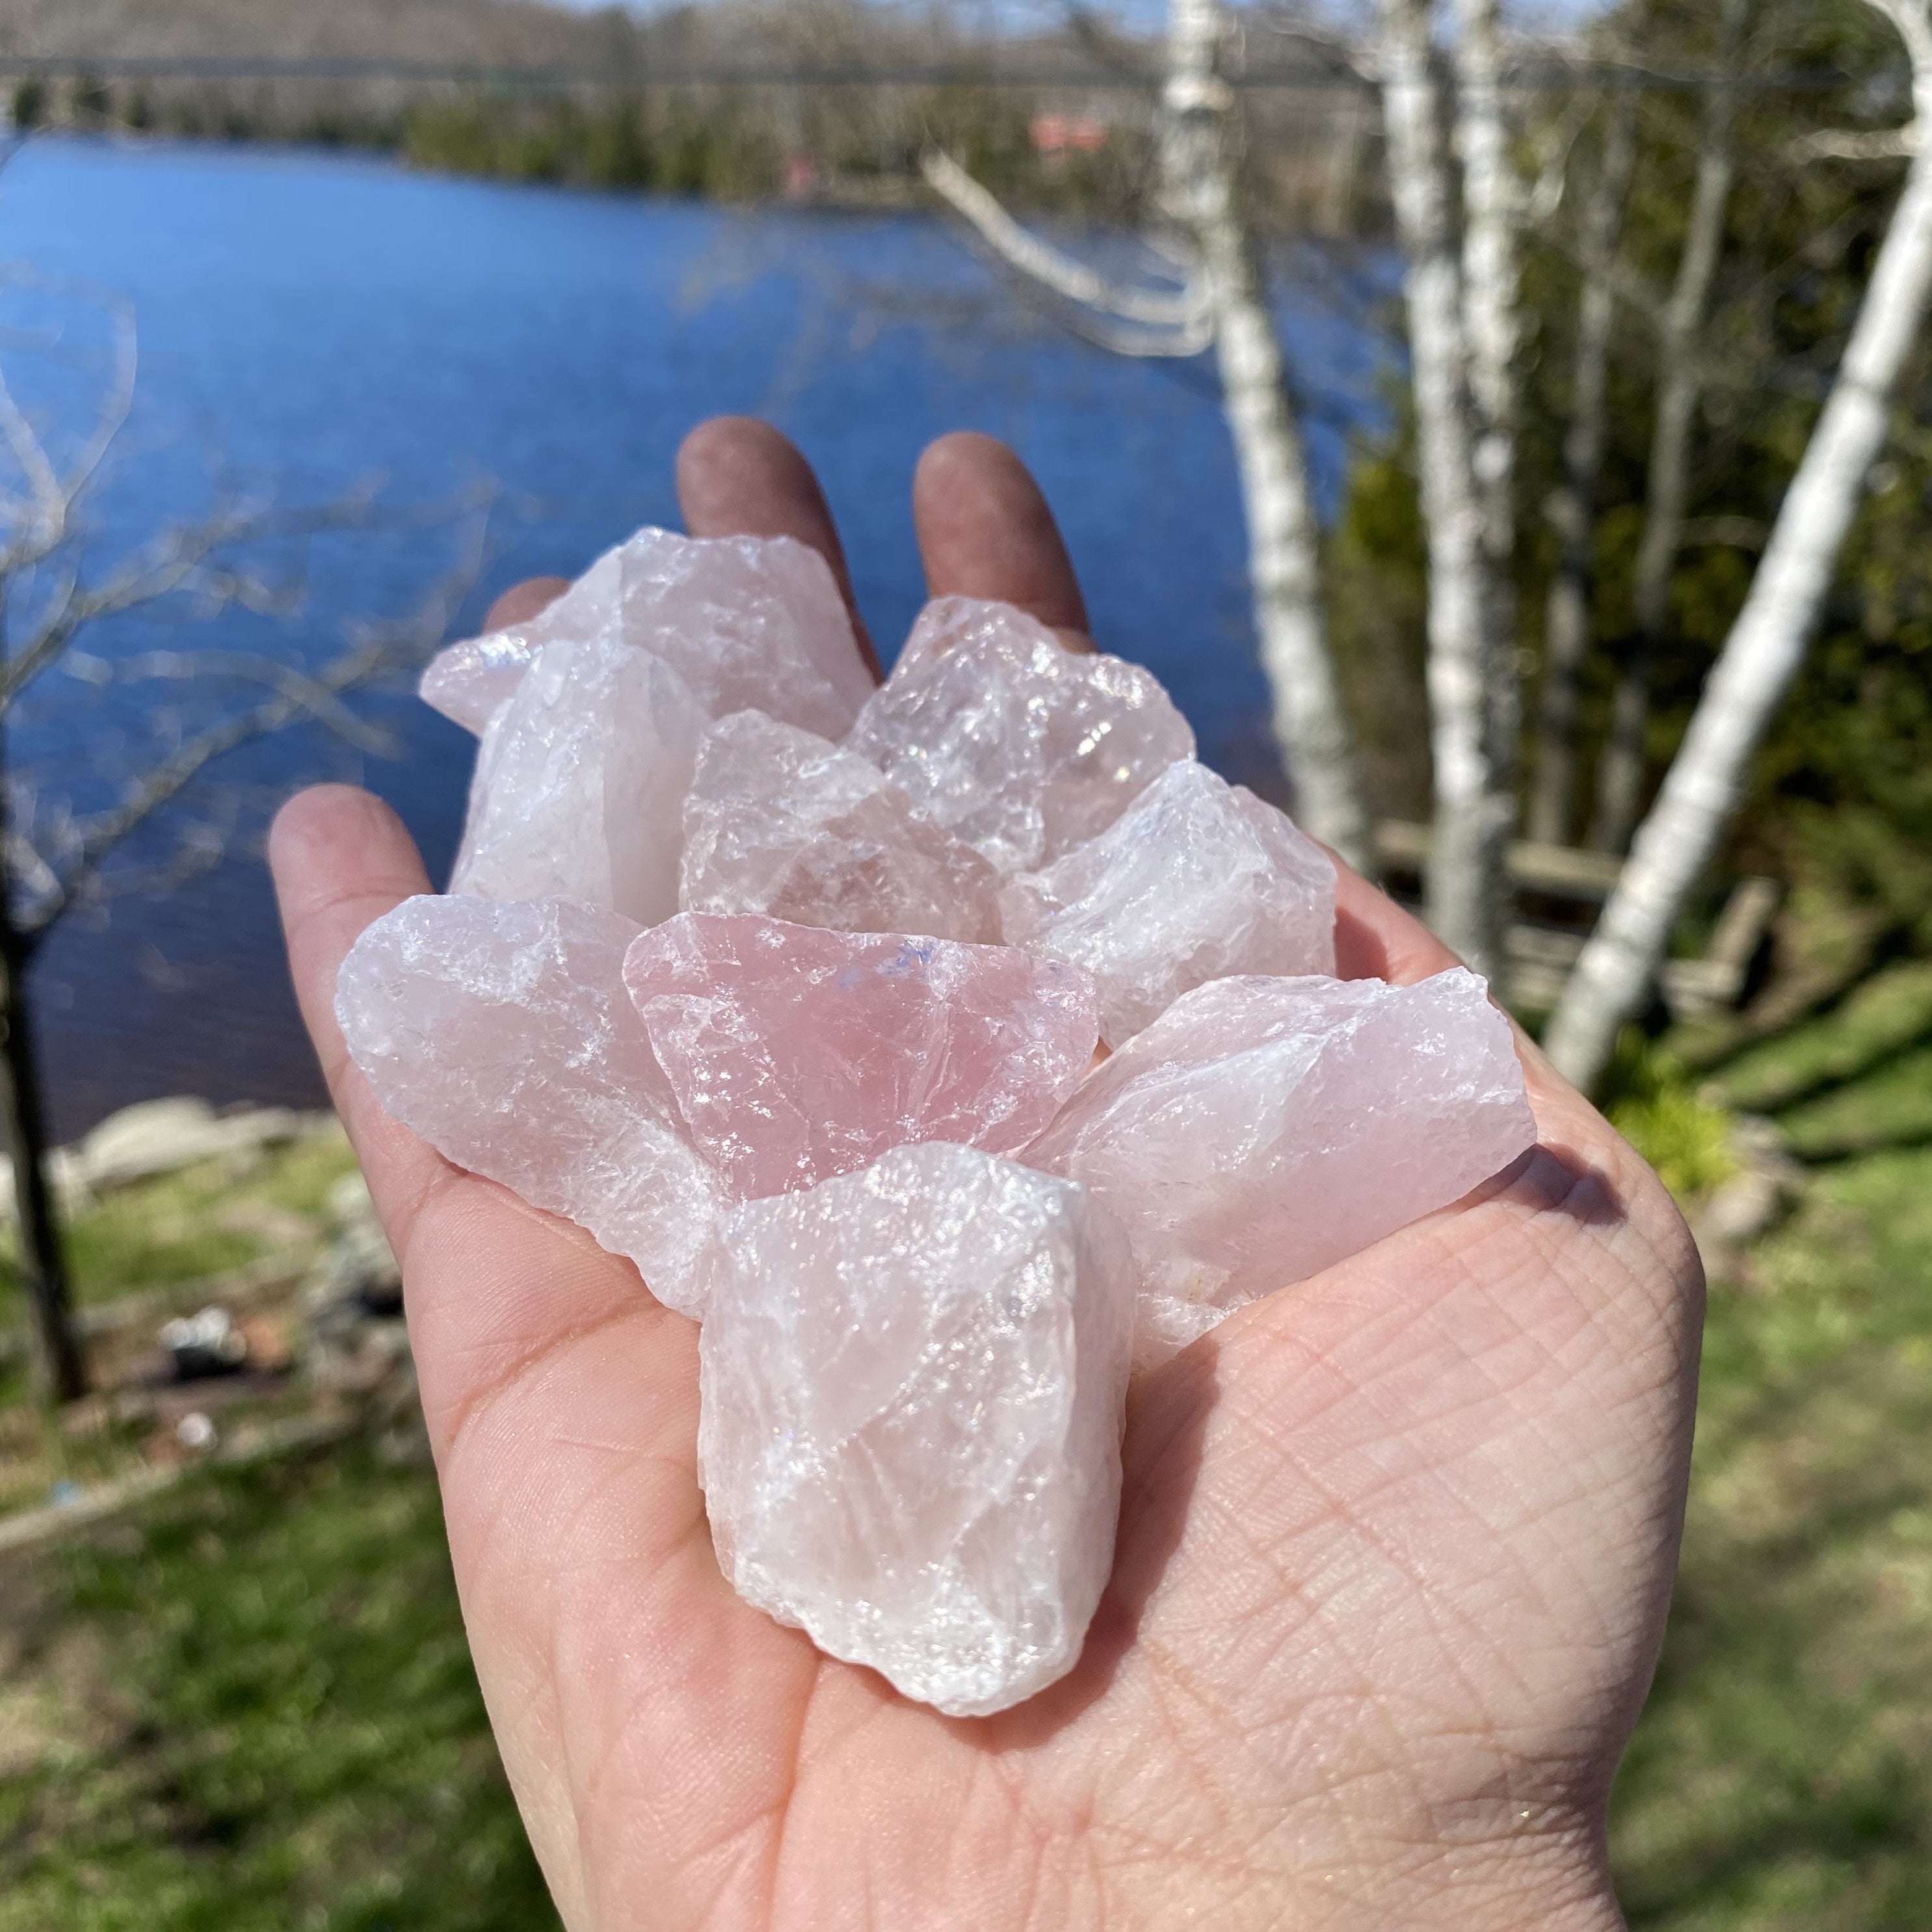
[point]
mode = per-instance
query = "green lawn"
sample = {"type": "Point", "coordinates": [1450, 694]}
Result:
{"type": "Point", "coordinates": [255, 1712]}
{"type": "Point", "coordinates": [1782, 1775]}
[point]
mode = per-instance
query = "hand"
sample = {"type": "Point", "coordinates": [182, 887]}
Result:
{"type": "Point", "coordinates": [1395, 1548]}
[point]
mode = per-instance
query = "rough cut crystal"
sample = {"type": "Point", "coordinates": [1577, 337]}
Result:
{"type": "Point", "coordinates": [781, 821]}
{"type": "Point", "coordinates": [469, 683]}
{"type": "Point", "coordinates": [580, 783]}
{"type": "Point", "coordinates": [911, 1389]}
{"type": "Point", "coordinates": [1022, 747]}
{"type": "Point", "coordinates": [1197, 879]}
{"type": "Point", "coordinates": [747, 622]}
{"type": "Point", "coordinates": [1262, 1129]}
{"type": "Point", "coordinates": [502, 1035]}
{"type": "Point", "coordinates": [796, 1054]}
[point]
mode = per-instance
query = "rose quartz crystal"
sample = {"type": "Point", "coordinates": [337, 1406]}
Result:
{"type": "Point", "coordinates": [1020, 746]}
{"type": "Point", "coordinates": [580, 783]}
{"type": "Point", "coordinates": [796, 1054]}
{"type": "Point", "coordinates": [1197, 879]}
{"type": "Point", "coordinates": [469, 683]}
{"type": "Point", "coordinates": [1261, 1130]}
{"type": "Point", "coordinates": [502, 1035]}
{"type": "Point", "coordinates": [911, 1386]}
{"type": "Point", "coordinates": [745, 621]}
{"type": "Point", "coordinates": [781, 821]}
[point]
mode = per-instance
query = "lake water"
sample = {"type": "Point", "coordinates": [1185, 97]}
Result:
{"type": "Point", "coordinates": [307, 321]}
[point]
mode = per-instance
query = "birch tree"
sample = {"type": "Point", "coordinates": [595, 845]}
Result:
{"type": "Point", "coordinates": [1572, 509]}
{"type": "Point", "coordinates": [55, 593]}
{"type": "Point", "coordinates": [1766, 645]}
{"type": "Point", "coordinates": [1471, 661]}
{"type": "Point", "coordinates": [1679, 389]}
{"type": "Point", "coordinates": [1223, 305]}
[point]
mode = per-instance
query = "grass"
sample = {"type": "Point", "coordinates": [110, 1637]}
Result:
{"type": "Point", "coordinates": [256, 1712]}
{"type": "Point", "coordinates": [185, 1228]}
{"type": "Point", "coordinates": [170, 1241]}
{"type": "Point", "coordinates": [1781, 1776]}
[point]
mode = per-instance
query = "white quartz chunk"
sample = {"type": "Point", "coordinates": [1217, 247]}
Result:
{"type": "Point", "coordinates": [469, 683]}
{"type": "Point", "coordinates": [1197, 879]}
{"type": "Point", "coordinates": [1022, 747]}
{"type": "Point", "coordinates": [747, 622]}
{"type": "Point", "coordinates": [502, 1034]}
{"type": "Point", "coordinates": [580, 783]}
{"type": "Point", "coordinates": [780, 821]}
{"type": "Point", "coordinates": [911, 1395]}
{"type": "Point", "coordinates": [1262, 1129]}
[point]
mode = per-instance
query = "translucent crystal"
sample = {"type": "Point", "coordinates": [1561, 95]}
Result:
{"type": "Point", "coordinates": [469, 683]}
{"type": "Point", "coordinates": [1262, 1129]}
{"type": "Point", "coordinates": [1022, 747]}
{"type": "Point", "coordinates": [1197, 879]}
{"type": "Point", "coordinates": [580, 783]}
{"type": "Point", "coordinates": [911, 1390]}
{"type": "Point", "coordinates": [502, 1035]}
{"type": "Point", "coordinates": [781, 821]}
{"type": "Point", "coordinates": [796, 1054]}
{"type": "Point", "coordinates": [747, 622]}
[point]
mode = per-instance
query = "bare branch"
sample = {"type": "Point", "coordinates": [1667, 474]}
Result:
{"type": "Point", "coordinates": [1842, 144]}
{"type": "Point", "coordinates": [1185, 311]}
{"type": "Point", "coordinates": [176, 563]}
{"type": "Point", "coordinates": [375, 652]}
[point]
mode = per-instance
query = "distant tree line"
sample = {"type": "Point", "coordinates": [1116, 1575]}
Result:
{"type": "Point", "coordinates": [756, 140]}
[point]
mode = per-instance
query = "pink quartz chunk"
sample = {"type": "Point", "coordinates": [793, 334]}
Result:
{"type": "Point", "coordinates": [911, 1387]}
{"type": "Point", "coordinates": [1261, 1130]}
{"type": "Point", "coordinates": [796, 1053]}
{"type": "Point", "coordinates": [781, 821]}
{"type": "Point", "coordinates": [1022, 747]}
{"type": "Point", "coordinates": [1197, 879]}
{"type": "Point", "coordinates": [580, 783]}
{"type": "Point", "coordinates": [502, 1034]}
{"type": "Point", "coordinates": [745, 621]}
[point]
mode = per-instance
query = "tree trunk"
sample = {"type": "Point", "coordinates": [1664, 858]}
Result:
{"type": "Point", "coordinates": [1620, 773]}
{"type": "Point", "coordinates": [63, 1365]}
{"type": "Point", "coordinates": [1573, 505]}
{"type": "Point", "coordinates": [1201, 194]}
{"type": "Point", "coordinates": [1475, 807]}
{"type": "Point", "coordinates": [1766, 645]}
{"type": "Point", "coordinates": [1492, 201]}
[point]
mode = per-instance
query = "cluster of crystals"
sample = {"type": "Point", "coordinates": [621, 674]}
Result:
{"type": "Point", "coordinates": [789, 989]}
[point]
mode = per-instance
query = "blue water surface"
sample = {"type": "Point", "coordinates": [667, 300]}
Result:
{"type": "Point", "coordinates": [309, 322]}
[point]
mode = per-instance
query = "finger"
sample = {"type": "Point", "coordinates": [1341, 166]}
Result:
{"type": "Point", "coordinates": [1375, 939]}
{"type": "Point", "coordinates": [341, 859]}
{"type": "Point", "coordinates": [522, 601]}
{"type": "Point", "coordinates": [984, 530]}
{"type": "Point", "coordinates": [738, 477]}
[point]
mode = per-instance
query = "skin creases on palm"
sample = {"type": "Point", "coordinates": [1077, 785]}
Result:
{"type": "Point", "coordinates": [1395, 1551]}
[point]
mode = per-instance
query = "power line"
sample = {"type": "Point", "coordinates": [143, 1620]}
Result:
{"type": "Point", "coordinates": [1543, 76]}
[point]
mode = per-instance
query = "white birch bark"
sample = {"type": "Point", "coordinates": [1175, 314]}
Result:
{"type": "Point", "coordinates": [1467, 886]}
{"type": "Point", "coordinates": [1225, 303]}
{"type": "Point", "coordinates": [1767, 643]}
{"type": "Point", "coordinates": [1201, 194]}
{"type": "Point", "coordinates": [1573, 505]}
{"type": "Point", "coordinates": [1493, 204]}
{"type": "Point", "coordinates": [1679, 388]}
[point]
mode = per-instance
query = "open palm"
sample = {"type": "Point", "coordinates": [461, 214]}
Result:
{"type": "Point", "coordinates": [1395, 1545]}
